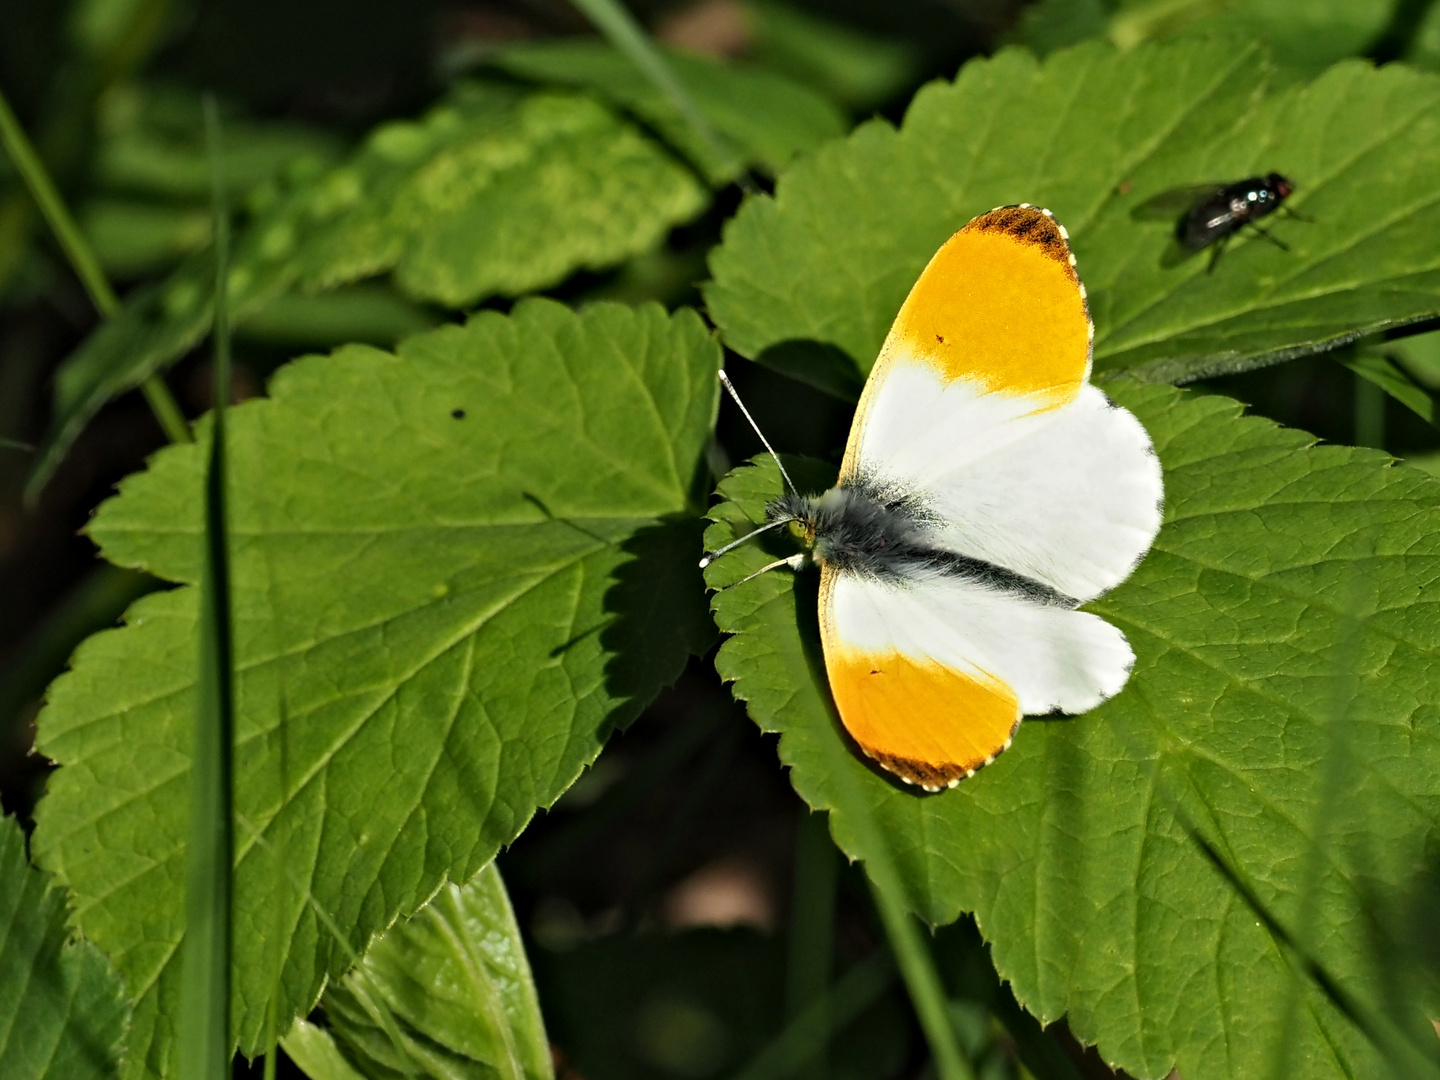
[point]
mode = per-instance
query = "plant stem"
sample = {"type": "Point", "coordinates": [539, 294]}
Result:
{"type": "Point", "coordinates": [1369, 414]}
{"type": "Point", "coordinates": [82, 257]}
{"type": "Point", "coordinates": [204, 1035]}
{"type": "Point", "coordinates": [622, 31]}
{"type": "Point", "coordinates": [927, 994]}
{"type": "Point", "coordinates": [812, 931]}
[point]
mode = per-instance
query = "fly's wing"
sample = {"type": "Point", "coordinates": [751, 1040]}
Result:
{"type": "Point", "coordinates": [1173, 203]}
{"type": "Point", "coordinates": [932, 676]}
{"type": "Point", "coordinates": [979, 412]}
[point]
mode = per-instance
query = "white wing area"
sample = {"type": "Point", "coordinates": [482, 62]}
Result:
{"type": "Point", "coordinates": [1070, 496]}
{"type": "Point", "coordinates": [1054, 658]}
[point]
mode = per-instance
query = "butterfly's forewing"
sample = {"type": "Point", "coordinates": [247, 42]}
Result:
{"type": "Point", "coordinates": [978, 413]}
{"type": "Point", "coordinates": [999, 306]}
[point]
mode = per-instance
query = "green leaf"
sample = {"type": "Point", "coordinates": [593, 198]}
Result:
{"type": "Point", "coordinates": [1091, 134]}
{"type": "Point", "coordinates": [494, 191]}
{"type": "Point", "coordinates": [860, 71]}
{"type": "Point", "coordinates": [1390, 377]}
{"type": "Point", "coordinates": [62, 1010]}
{"type": "Point", "coordinates": [1419, 355]}
{"type": "Point", "coordinates": [1305, 35]}
{"type": "Point", "coordinates": [1281, 618]}
{"type": "Point", "coordinates": [454, 984]}
{"type": "Point", "coordinates": [457, 568]}
{"type": "Point", "coordinates": [132, 237]}
{"type": "Point", "coordinates": [766, 117]}
{"type": "Point", "coordinates": [150, 141]}
{"type": "Point", "coordinates": [314, 1050]}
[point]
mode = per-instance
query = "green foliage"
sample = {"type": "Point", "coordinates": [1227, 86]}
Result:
{"type": "Point", "coordinates": [1391, 378]}
{"type": "Point", "coordinates": [152, 180]}
{"type": "Point", "coordinates": [858, 71]}
{"type": "Point", "coordinates": [454, 985]}
{"type": "Point", "coordinates": [704, 1003]}
{"type": "Point", "coordinates": [1092, 134]}
{"type": "Point", "coordinates": [1304, 35]}
{"type": "Point", "coordinates": [62, 1012]}
{"type": "Point", "coordinates": [1281, 630]}
{"type": "Point", "coordinates": [495, 191]}
{"type": "Point", "coordinates": [456, 569]}
{"type": "Point", "coordinates": [767, 118]}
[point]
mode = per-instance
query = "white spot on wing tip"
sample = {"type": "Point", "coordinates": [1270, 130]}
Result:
{"type": "Point", "coordinates": [953, 782]}
{"type": "Point", "coordinates": [1007, 743]}
{"type": "Point", "coordinates": [989, 760]}
{"type": "Point", "coordinates": [1064, 232]}
{"type": "Point", "coordinates": [969, 773]}
{"type": "Point", "coordinates": [927, 787]}
{"type": "Point", "coordinates": [1083, 293]}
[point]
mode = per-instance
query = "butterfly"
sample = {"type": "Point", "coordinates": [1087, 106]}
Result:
{"type": "Point", "coordinates": [987, 491]}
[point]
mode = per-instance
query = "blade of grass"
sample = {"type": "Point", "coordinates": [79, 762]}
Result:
{"type": "Point", "coordinates": [912, 956]}
{"type": "Point", "coordinates": [82, 258]}
{"type": "Point", "coordinates": [812, 932]}
{"type": "Point", "coordinates": [204, 1034]}
{"type": "Point", "coordinates": [622, 31]}
{"type": "Point", "coordinates": [1388, 376]}
{"type": "Point", "coordinates": [1369, 412]}
{"type": "Point", "coordinates": [15, 444]}
{"type": "Point", "coordinates": [794, 1048]}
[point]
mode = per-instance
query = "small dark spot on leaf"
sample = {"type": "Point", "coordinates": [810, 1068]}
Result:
{"type": "Point", "coordinates": [458, 414]}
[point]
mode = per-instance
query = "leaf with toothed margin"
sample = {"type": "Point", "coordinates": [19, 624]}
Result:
{"type": "Point", "coordinates": [63, 1011]}
{"type": "Point", "coordinates": [1286, 687]}
{"type": "Point", "coordinates": [809, 280]}
{"type": "Point", "coordinates": [458, 567]}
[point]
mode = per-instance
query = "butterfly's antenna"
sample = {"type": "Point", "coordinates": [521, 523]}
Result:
{"type": "Point", "coordinates": [794, 562]}
{"type": "Point", "coordinates": [708, 559]}
{"type": "Point", "coordinates": [731, 388]}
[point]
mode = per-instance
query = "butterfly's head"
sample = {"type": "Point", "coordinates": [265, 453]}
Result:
{"type": "Point", "coordinates": [800, 511]}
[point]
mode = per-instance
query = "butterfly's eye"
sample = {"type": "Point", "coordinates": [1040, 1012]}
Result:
{"type": "Point", "coordinates": [804, 532]}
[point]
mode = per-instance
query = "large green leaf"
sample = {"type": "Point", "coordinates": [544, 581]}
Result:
{"type": "Point", "coordinates": [456, 567]}
{"type": "Point", "coordinates": [62, 1009]}
{"type": "Point", "coordinates": [445, 995]}
{"type": "Point", "coordinates": [767, 118]}
{"type": "Point", "coordinates": [1283, 706]}
{"type": "Point", "coordinates": [1092, 134]}
{"type": "Point", "coordinates": [494, 191]}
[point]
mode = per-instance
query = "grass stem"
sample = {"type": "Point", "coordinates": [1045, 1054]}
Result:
{"type": "Point", "coordinates": [82, 258]}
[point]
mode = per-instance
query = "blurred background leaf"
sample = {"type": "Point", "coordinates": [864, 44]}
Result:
{"type": "Point", "coordinates": [1305, 36]}
{"type": "Point", "coordinates": [495, 191]}
{"type": "Point", "coordinates": [766, 117]}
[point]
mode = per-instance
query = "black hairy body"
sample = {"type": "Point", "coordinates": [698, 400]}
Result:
{"type": "Point", "coordinates": [862, 529]}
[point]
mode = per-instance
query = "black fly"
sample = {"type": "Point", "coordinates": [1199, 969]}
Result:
{"type": "Point", "coordinates": [1212, 213]}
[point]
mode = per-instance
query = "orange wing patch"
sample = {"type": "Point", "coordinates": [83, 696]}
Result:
{"type": "Point", "coordinates": [1000, 303]}
{"type": "Point", "coordinates": [925, 722]}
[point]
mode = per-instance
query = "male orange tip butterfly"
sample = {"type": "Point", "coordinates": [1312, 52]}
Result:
{"type": "Point", "coordinates": [987, 491]}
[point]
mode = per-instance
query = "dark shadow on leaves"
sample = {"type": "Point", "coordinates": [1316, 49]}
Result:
{"type": "Point", "coordinates": [657, 612]}
{"type": "Point", "coordinates": [817, 364]}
